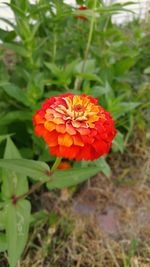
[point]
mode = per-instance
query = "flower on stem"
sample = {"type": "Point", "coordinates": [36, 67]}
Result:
{"type": "Point", "coordinates": [82, 8]}
{"type": "Point", "coordinates": [75, 127]}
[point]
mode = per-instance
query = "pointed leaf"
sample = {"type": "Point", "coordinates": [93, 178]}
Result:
{"type": "Point", "coordinates": [14, 92]}
{"type": "Point", "coordinates": [13, 184]}
{"type": "Point", "coordinates": [17, 219]}
{"type": "Point", "coordinates": [65, 178]}
{"type": "Point", "coordinates": [15, 115]}
{"type": "Point", "coordinates": [38, 170]}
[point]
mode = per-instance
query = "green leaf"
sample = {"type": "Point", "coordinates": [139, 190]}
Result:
{"type": "Point", "coordinates": [104, 166]}
{"type": "Point", "coordinates": [16, 10]}
{"type": "Point", "coordinates": [66, 178]}
{"type": "Point", "coordinates": [13, 184]}
{"type": "Point", "coordinates": [101, 163]}
{"type": "Point", "coordinates": [115, 8]}
{"type": "Point", "coordinates": [120, 109]}
{"type": "Point", "coordinates": [118, 143]}
{"type": "Point", "coordinates": [3, 243]}
{"type": "Point", "coordinates": [97, 91]}
{"type": "Point", "coordinates": [18, 49]}
{"type": "Point", "coordinates": [53, 68]}
{"type": "Point", "coordinates": [38, 170]}
{"type": "Point", "coordinates": [14, 116]}
{"type": "Point", "coordinates": [17, 219]}
{"type": "Point", "coordinates": [122, 66]}
{"type": "Point", "coordinates": [147, 70]}
{"type": "Point", "coordinates": [2, 221]}
{"type": "Point", "coordinates": [89, 66]}
{"type": "Point", "coordinates": [40, 215]}
{"type": "Point", "coordinates": [86, 13]}
{"type": "Point", "coordinates": [3, 137]}
{"type": "Point", "coordinates": [89, 77]}
{"type": "Point", "coordinates": [70, 68]}
{"type": "Point", "coordinates": [14, 92]}
{"type": "Point", "coordinates": [7, 36]}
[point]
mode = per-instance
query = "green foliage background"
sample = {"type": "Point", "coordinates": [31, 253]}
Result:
{"type": "Point", "coordinates": [50, 51]}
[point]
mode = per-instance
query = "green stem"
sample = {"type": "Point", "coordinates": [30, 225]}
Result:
{"type": "Point", "coordinates": [56, 164]}
{"type": "Point", "coordinates": [37, 185]}
{"type": "Point", "coordinates": [79, 80]}
{"type": "Point", "coordinates": [54, 47]}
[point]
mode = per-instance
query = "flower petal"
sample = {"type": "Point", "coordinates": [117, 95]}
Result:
{"type": "Point", "coordinates": [39, 130]}
{"type": "Point", "coordinates": [69, 152]}
{"type": "Point", "coordinates": [65, 140]}
{"type": "Point", "coordinates": [51, 138]}
{"type": "Point", "coordinates": [37, 119]}
{"type": "Point", "coordinates": [70, 130]}
{"type": "Point", "coordinates": [61, 128]}
{"type": "Point", "coordinates": [50, 126]}
{"type": "Point", "coordinates": [83, 131]}
{"type": "Point", "coordinates": [77, 140]}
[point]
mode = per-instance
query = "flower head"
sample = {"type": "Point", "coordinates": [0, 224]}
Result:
{"type": "Point", "coordinates": [82, 8]}
{"type": "Point", "coordinates": [75, 127]}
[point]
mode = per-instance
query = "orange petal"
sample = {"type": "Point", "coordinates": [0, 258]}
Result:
{"type": "Point", "coordinates": [77, 140]}
{"type": "Point", "coordinates": [39, 130]}
{"type": "Point", "coordinates": [58, 121]}
{"type": "Point", "coordinates": [38, 119]}
{"type": "Point", "coordinates": [83, 131]}
{"type": "Point", "coordinates": [50, 126]}
{"type": "Point", "coordinates": [70, 130]}
{"type": "Point", "coordinates": [51, 138]}
{"type": "Point", "coordinates": [54, 151]}
{"type": "Point", "coordinates": [61, 128]}
{"type": "Point", "coordinates": [65, 140]}
{"type": "Point", "coordinates": [69, 152]}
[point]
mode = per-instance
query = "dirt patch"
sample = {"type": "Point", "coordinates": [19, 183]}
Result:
{"type": "Point", "coordinates": [124, 214]}
{"type": "Point", "coordinates": [119, 205]}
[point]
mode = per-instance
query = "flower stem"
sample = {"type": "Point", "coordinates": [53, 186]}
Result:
{"type": "Point", "coordinates": [37, 185]}
{"type": "Point", "coordinates": [79, 80]}
{"type": "Point", "coordinates": [56, 164]}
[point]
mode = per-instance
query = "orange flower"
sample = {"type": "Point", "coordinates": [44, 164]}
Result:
{"type": "Point", "coordinates": [75, 127]}
{"type": "Point", "coordinates": [64, 165]}
{"type": "Point", "coordinates": [82, 8]}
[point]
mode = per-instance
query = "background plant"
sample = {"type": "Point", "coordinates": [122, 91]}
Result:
{"type": "Point", "coordinates": [47, 52]}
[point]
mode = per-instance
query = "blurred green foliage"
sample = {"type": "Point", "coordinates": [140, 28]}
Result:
{"type": "Point", "coordinates": [51, 50]}
{"type": "Point", "coordinates": [44, 54]}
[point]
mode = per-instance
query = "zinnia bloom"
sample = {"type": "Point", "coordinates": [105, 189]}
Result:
{"type": "Point", "coordinates": [75, 127]}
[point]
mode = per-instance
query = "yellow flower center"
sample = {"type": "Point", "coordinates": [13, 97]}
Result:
{"type": "Point", "coordinates": [78, 109]}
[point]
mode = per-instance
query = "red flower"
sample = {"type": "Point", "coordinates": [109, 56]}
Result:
{"type": "Point", "coordinates": [82, 8]}
{"type": "Point", "coordinates": [75, 126]}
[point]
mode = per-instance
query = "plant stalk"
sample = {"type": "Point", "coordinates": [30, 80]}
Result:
{"type": "Point", "coordinates": [79, 80]}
